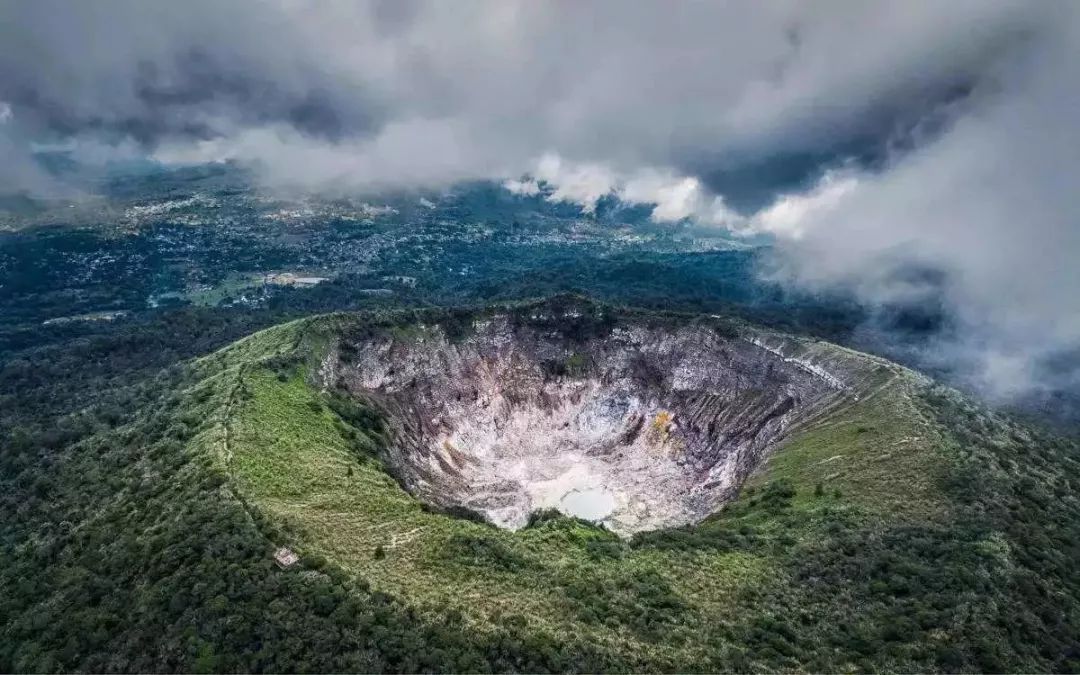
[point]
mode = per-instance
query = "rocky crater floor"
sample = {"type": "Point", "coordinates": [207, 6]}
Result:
{"type": "Point", "coordinates": [631, 422]}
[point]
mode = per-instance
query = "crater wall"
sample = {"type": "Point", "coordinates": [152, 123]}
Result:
{"type": "Point", "coordinates": [638, 425]}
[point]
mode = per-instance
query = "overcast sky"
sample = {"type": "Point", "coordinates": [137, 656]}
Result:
{"type": "Point", "coordinates": [867, 138]}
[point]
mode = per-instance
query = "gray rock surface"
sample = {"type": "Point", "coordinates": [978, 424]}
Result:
{"type": "Point", "coordinates": [640, 427]}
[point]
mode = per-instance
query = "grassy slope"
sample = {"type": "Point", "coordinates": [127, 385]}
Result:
{"type": "Point", "coordinates": [679, 599]}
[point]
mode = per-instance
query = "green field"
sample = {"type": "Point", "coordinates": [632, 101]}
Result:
{"type": "Point", "coordinates": [233, 286]}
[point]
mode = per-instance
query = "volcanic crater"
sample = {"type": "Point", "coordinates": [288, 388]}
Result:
{"type": "Point", "coordinates": [636, 421]}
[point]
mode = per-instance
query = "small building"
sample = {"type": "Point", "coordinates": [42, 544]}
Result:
{"type": "Point", "coordinates": [285, 557]}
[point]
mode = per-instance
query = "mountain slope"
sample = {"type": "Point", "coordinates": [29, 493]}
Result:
{"type": "Point", "coordinates": [900, 527]}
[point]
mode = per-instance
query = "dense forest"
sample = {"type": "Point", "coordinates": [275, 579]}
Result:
{"type": "Point", "coordinates": [119, 555]}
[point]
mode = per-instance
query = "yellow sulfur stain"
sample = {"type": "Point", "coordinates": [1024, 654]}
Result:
{"type": "Point", "coordinates": [662, 421]}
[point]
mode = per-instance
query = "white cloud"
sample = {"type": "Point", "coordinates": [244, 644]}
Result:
{"type": "Point", "coordinates": [283, 157]}
{"type": "Point", "coordinates": [526, 187]}
{"type": "Point", "coordinates": [674, 197]}
{"type": "Point", "coordinates": [583, 184]}
{"type": "Point", "coordinates": [791, 214]}
{"type": "Point", "coordinates": [990, 204]}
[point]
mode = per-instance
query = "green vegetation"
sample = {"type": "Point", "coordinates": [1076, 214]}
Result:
{"type": "Point", "coordinates": [909, 531]}
{"type": "Point", "coordinates": [231, 287]}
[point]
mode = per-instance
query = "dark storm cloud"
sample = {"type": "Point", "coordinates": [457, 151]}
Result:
{"type": "Point", "coordinates": [866, 137]}
{"type": "Point", "coordinates": [185, 87]}
{"type": "Point", "coordinates": [708, 89]}
{"type": "Point", "coordinates": [197, 80]}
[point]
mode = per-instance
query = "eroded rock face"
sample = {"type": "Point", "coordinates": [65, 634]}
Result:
{"type": "Point", "coordinates": [638, 426]}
